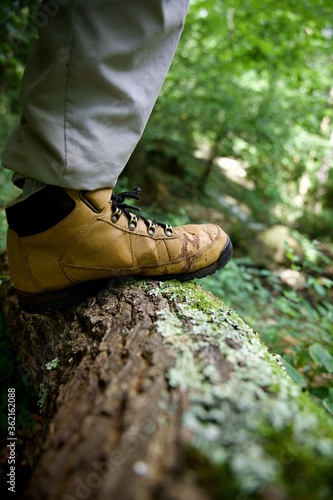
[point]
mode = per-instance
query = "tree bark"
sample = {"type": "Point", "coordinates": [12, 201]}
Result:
{"type": "Point", "coordinates": [159, 391]}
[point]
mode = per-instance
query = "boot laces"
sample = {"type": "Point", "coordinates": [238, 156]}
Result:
{"type": "Point", "coordinates": [119, 207]}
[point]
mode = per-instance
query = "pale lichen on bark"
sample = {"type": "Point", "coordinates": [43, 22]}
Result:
{"type": "Point", "coordinates": [240, 396]}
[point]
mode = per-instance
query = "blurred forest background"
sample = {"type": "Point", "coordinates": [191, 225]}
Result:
{"type": "Point", "coordinates": [241, 135]}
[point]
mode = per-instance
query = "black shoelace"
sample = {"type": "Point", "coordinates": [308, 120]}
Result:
{"type": "Point", "coordinates": [119, 207]}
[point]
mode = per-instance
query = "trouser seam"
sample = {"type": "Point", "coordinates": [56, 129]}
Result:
{"type": "Point", "coordinates": [66, 92]}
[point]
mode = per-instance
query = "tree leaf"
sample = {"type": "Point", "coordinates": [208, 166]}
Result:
{"type": "Point", "coordinates": [321, 356]}
{"type": "Point", "coordinates": [328, 402]}
{"type": "Point", "coordinates": [294, 374]}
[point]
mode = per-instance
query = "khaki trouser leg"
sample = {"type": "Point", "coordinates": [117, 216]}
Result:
{"type": "Point", "coordinates": [90, 86]}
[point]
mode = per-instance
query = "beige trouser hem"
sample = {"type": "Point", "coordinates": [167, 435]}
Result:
{"type": "Point", "coordinates": [90, 86]}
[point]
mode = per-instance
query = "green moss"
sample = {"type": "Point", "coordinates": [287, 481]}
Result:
{"type": "Point", "coordinates": [245, 413]}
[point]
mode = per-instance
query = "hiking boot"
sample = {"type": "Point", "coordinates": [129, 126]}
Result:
{"type": "Point", "coordinates": [64, 245]}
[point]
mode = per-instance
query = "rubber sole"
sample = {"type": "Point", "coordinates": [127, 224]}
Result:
{"type": "Point", "coordinates": [50, 301]}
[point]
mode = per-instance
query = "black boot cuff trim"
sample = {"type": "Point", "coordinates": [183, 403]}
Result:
{"type": "Point", "coordinates": [40, 211]}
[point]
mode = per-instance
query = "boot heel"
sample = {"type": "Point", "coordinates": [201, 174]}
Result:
{"type": "Point", "coordinates": [50, 301]}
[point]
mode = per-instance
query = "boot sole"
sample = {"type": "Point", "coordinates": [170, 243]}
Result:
{"type": "Point", "coordinates": [43, 302]}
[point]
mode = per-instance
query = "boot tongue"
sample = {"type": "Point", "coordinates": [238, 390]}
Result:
{"type": "Point", "coordinates": [98, 198]}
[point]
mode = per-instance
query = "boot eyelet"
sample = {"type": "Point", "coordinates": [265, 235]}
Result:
{"type": "Point", "coordinates": [151, 228]}
{"type": "Point", "coordinates": [168, 230]}
{"type": "Point", "coordinates": [115, 216]}
{"type": "Point", "coordinates": [132, 223]}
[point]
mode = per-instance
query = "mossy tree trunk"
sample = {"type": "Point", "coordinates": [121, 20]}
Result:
{"type": "Point", "coordinates": [159, 391]}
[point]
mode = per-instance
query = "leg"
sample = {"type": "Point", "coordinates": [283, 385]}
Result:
{"type": "Point", "coordinates": [86, 96]}
{"type": "Point", "coordinates": [89, 89]}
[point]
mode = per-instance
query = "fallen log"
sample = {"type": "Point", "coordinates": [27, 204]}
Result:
{"type": "Point", "coordinates": [154, 390]}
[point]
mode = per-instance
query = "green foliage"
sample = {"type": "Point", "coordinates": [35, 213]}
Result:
{"type": "Point", "coordinates": [17, 35]}
{"type": "Point", "coordinates": [328, 402]}
{"type": "Point", "coordinates": [8, 191]}
{"type": "Point", "coordinates": [321, 356]}
{"type": "Point", "coordinates": [251, 80]}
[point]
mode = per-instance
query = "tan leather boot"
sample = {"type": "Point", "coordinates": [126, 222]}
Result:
{"type": "Point", "coordinates": [64, 244]}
